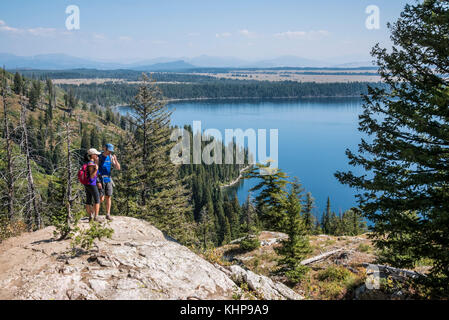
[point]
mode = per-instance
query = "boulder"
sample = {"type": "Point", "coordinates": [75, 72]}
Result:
{"type": "Point", "coordinates": [263, 286]}
{"type": "Point", "coordinates": [138, 262]}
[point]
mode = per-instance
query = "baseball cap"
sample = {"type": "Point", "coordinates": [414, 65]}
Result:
{"type": "Point", "coordinates": [93, 151]}
{"type": "Point", "coordinates": [109, 147]}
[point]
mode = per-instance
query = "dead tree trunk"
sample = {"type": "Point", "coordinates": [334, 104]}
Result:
{"type": "Point", "coordinates": [395, 272]}
{"type": "Point", "coordinates": [10, 180]}
{"type": "Point", "coordinates": [32, 194]}
{"type": "Point", "coordinates": [321, 257]}
{"type": "Point", "coordinates": [69, 176]}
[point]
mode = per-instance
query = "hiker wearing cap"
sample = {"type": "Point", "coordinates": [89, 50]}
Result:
{"type": "Point", "coordinates": [107, 160]}
{"type": "Point", "coordinates": [92, 192]}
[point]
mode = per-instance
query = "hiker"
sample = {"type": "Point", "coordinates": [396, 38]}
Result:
{"type": "Point", "coordinates": [107, 160]}
{"type": "Point", "coordinates": [92, 191]}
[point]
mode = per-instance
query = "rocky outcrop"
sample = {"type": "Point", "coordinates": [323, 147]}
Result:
{"type": "Point", "coordinates": [138, 262]}
{"type": "Point", "coordinates": [262, 285]}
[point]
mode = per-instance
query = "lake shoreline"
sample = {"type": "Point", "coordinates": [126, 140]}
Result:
{"type": "Point", "coordinates": [235, 181]}
{"type": "Point", "coordinates": [259, 98]}
{"type": "Point", "coordinates": [248, 98]}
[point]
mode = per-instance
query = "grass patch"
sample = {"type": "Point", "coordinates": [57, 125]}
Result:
{"type": "Point", "coordinates": [336, 282]}
{"type": "Point", "coordinates": [363, 247]}
{"type": "Point", "coordinates": [332, 290]}
{"type": "Point", "coordinates": [334, 274]}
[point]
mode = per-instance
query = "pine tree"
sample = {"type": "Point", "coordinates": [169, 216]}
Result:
{"type": "Point", "coordinates": [94, 138]}
{"type": "Point", "coordinates": [307, 214]}
{"type": "Point", "coordinates": [269, 201]}
{"type": "Point", "coordinates": [408, 155]}
{"type": "Point", "coordinates": [236, 229]}
{"type": "Point", "coordinates": [17, 87]}
{"type": "Point", "coordinates": [249, 215]}
{"type": "Point", "coordinates": [220, 221]}
{"type": "Point", "coordinates": [85, 140]}
{"type": "Point", "coordinates": [10, 178]}
{"type": "Point", "coordinates": [163, 195]}
{"type": "Point", "coordinates": [51, 98]}
{"type": "Point", "coordinates": [128, 181]}
{"type": "Point", "coordinates": [227, 232]}
{"type": "Point", "coordinates": [55, 208]}
{"type": "Point", "coordinates": [35, 95]}
{"type": "Point", "coordinates": [326, 218]}
{"type": "Point", "coordinates": [352, 222]}
{"type": "Point", "coordinates": [233, 215]}
{"type": "Point", "coordinates": [296, 247]}
{"type": "Point", "coordinates": [206, 228]}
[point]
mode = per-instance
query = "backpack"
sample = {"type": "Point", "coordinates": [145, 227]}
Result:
{"type": "Point", "coordinates": [83, 175]}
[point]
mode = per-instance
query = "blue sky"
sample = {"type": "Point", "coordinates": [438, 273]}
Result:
{"type": "Point", "coordinates": [143, 29]}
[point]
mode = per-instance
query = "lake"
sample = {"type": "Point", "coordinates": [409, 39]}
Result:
{"type": "Point", "coordinates": [313, 137]}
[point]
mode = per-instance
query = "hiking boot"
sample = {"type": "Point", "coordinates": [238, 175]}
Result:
{"type": "Point", "coordinates": [90, 218]}
{"type": "Point", "coordinates": [108, 217]}
{"type": "Point", "coordinates": [96, 219]}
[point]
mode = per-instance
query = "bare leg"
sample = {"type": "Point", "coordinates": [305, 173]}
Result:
{"type": "Point", "coordinates": [89, 210]}
{"type": "Point", "coordinates": [108, 206]}
{"type": "Point", "coordinates": [96, 210]}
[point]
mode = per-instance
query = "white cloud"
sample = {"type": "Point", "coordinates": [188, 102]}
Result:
{"type": "Point", "coordinates": [98, 36]}
{"type": "Point", "coordinates": [323, 32]}
{"type": "Point", "coordinates": [301, 34]}
{"type": "Point", "coordinates": [247, 33]}
{"type": "Point", "coordinates": [158, 42]}
{"type": "Point", "coordinates": [291, 34]}
{"type": "Point", "coordinates": [223, 35]}
{"type": "Point", "coordinates": [125, 38]}
{"type": "Point", "coordinates": [39, 31]}
{"type": "Point", "coordinates": [5, 28]}
{"type": "Point", "coordinates": [193, 34]}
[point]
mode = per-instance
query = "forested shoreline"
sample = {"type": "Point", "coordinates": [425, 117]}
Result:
{"type": "Point", "coordinates": [190, 75]}
{"type": "Point", "coordinates": [112, 94]}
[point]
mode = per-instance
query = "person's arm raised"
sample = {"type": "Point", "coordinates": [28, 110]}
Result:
{"type": "Point", "coordinates": [115, 162]}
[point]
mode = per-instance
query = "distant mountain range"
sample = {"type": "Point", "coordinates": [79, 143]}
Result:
{"type": "Point", "coordinates": [63, 61]}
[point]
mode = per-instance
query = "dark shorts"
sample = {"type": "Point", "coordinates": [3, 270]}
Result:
{"type": "Point", "coordinates": [107, 189]}
{"type": "Point", "coordinates": [92, 195]}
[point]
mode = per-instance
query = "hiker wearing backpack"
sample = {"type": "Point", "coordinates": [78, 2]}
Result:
{"type": "Point", "coordinates": [88, 177]}
{"type": "Point", "coordinates": [107, 161]}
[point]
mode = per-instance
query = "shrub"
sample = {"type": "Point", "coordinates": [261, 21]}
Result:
{"type": "Point", "coordinates": [249, 243]}
{"type": "Point", "coordinates": [296, 275]}
{"type": "Point", "coordinates": [214, 256]}
{"type": "Point", "coordinates": [331, 290]}
{"type": "Point", "coordinates": [85, 238]}
{"type": "Point", "coordinates": [336, 281]}
{"type": "Point", "coordinates": [363, 247]}
{"type": "Point", "coordinates": [63, 229]}
{"type": "Point", "coordinates": [334, 274]}
{"type": "Point", "coordinates": [10, 229]}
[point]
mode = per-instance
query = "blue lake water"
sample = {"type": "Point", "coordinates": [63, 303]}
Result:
{"type": "Point", "coordinates": [313, 137]}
